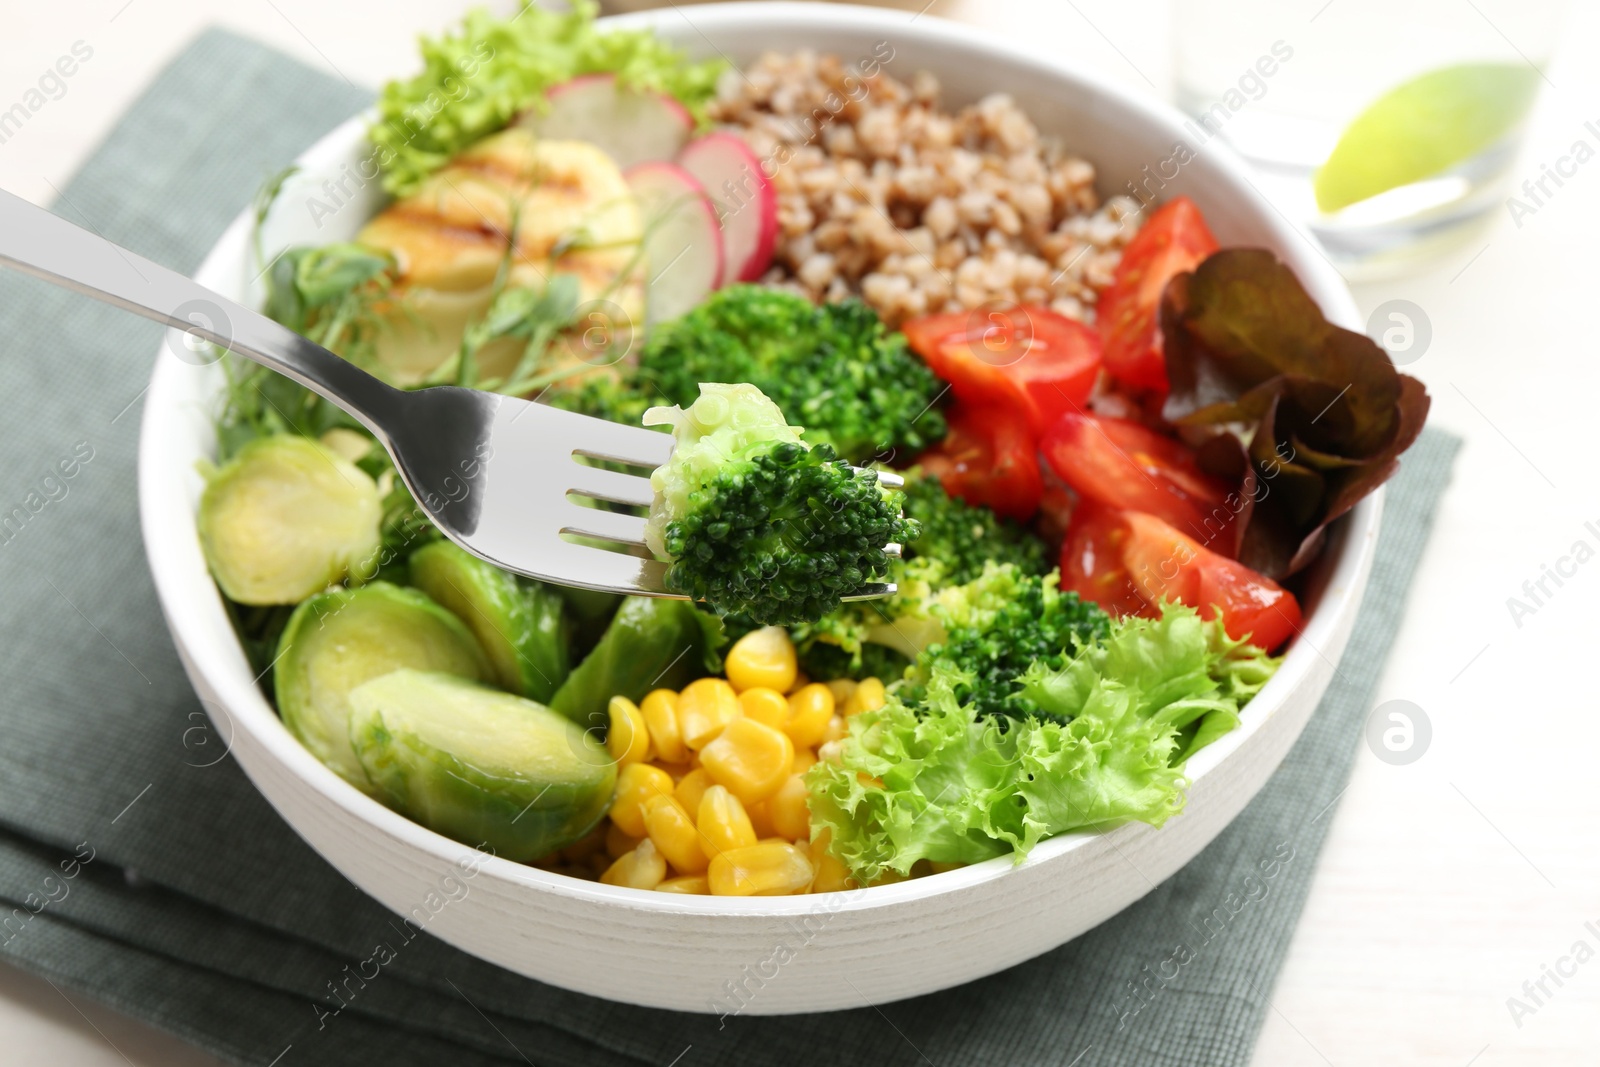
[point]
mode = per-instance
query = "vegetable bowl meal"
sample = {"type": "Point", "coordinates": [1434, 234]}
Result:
{"type": "Point", "coordinates": [1092, 452]}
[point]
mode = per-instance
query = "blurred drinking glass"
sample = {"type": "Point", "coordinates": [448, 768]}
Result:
{"type": "Point", "coordinates": [1386, 127]}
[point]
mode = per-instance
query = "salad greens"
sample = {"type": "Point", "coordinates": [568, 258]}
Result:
{"type": "Point", "coordinates": [329, 295]}
{"type": "Point", "coordinates": [755, 522]}
{"type": "Point", "coordinates": [936, 778]}
{"type": "Point", "coordinates": [1311, 417]}
{"type": "Point", "coordinates": [1000, 627]}
{"type": "Point", "coordinates": [317, 292]}
{"type": "Point", "coordinates": [992, 708]}
{"type": "Point", "coordinates": [476, 81]}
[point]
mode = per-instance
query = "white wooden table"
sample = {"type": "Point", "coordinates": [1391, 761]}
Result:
{"type": "Point", "coordinates": [1446, 884]}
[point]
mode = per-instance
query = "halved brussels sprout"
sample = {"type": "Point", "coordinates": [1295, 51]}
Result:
{"type": "Point", "coordinates": [590, 612]}
{"type": "Point", "coordinates": [479, 765]}
{"type": "Point", "coordinates": [650, 644]}
{"type": "Point", "coordinates": [517, 621]}
{"type": "Point", "coordinates": [287, 517]}
{"type": "Point", "coordinates": [337, 640]}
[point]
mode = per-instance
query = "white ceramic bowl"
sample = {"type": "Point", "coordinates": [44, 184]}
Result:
{"type": "Point", "coordinates": [890, 942]}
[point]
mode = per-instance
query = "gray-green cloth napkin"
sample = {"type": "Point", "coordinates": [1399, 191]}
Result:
{"type": "Point", "coordinates": [138, 865]}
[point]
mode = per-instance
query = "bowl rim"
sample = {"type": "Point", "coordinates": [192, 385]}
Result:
{"type": "Point", "coordinates": [173, 549]}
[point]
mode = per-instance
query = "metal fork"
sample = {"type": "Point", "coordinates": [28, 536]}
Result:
{"type": "Point", "coordinates": [506, 479]}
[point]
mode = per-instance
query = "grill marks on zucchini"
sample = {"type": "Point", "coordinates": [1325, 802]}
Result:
{"type": "Point", "coordinates": [512, 211]}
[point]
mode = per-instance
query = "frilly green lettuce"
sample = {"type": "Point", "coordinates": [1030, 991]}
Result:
{"type": "Point", "coordinates": [936, 781]}
{"type": "Point", "coordinates": [476, 81]}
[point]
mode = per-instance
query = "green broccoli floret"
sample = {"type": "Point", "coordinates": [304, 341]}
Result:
{"type": "Point", "coordinates": [757, 524]}
{"type": "Point", "coordinates": [964, 537]}
{"type": "Point", "coordinates": [738, 334]}
{"type": "Point", "coordinates": [821, 659]}
{"type": "Point", "coordinates": [957, 541]}
{"type": "Point", "coordinates": [999, 628]}
{"type": "Point", "coordinates": [833, 369]}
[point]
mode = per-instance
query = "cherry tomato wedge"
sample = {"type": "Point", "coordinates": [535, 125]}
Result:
{"type": "Point", "coordinates": [988, 458]}
{"type": "Point", "coordinates": [1173, 240]}
{"type": "Point", "coordinates": [1028, 358]}
{"type": "Point", "coordinates": [1091, 560]}
{"type": "Point", "coordinates": [1128, 562]}
{"type": "Point", "coordinates": [1121, 464]}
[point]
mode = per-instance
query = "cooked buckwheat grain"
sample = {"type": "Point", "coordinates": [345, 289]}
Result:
{"type": "Point", "coordinates": [884, 195]}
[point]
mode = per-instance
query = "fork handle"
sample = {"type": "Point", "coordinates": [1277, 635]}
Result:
{"type": "Point", "coordinates": [37, 242]}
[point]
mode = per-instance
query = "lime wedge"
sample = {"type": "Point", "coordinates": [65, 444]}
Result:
{"type": "Point", "coordinates": [1425, 126]}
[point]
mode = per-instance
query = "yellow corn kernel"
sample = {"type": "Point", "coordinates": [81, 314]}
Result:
{"type": "Point", "coordinates": [760, 820]}
{"type": "Point", "coordinates": [766, 706]}
{"type": "Point", "coordinates": [868, 696]}
{"type": "Point", "coordinates": [801, 680]}
{"type": "Point", "coordinates": [790, 816]}
{"type": "Point", "coordinates": [842, 689]}
{"type": "Point", "coordinates": [636, 783]}
{"type": "Point", "coordinates": [836, 729]}
{"type": "Point", "coordinates": [750, 759]}
{"type": "Point", "coordinates": [627, 737]}
{"type": "Point", "coordinates": [691, 788]}
{"type": "Point", "coordinates": [686, 883]}
{"type": "Point", "coordinates": [660, 711]}
{"type": "Point", "coordinates": [676, 771]}
{"type": "Point", "coordinates": [766, 870]}
{"type": "Point", "coordinates": [619, 842]}
{"type": "Point", "coordinates": [674, 834]}
{"type": "Point", "coordinates": [723, 822]}
{"type": "Point", "coordinates": [832, 876]}
{"type": "Point", "coordinates": [763, 657]}
{"type": "Point", "coordinates": [643, 868]}
{"type": "Point", "coordinates": [809, 711]}
{"type": "Point", "coordinates": [804, 759]}
{"type": "Point", "coordinates": [704, 707]}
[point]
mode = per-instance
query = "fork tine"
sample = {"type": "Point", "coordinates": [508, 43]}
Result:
{"type": "Point", "coordinates": [606, 525]}
{"type": "Point", "coordinates": [593, 567]}
{"type": "Point", "coordinates": [613, 486]}
{"type": "Point", "coordinates": [616, 443]}
{"type": "Point", "coordinates": [871, 591]}
{"type": "Point", "coordinates": [515, 493]}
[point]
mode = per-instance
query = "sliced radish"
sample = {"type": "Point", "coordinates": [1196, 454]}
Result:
{"type": "Point", "coordinates": [682, 241]}
{"type": "Point", "coordinates": [630, 125]}
{"type": "Point", "coordinates": [746, 202]}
